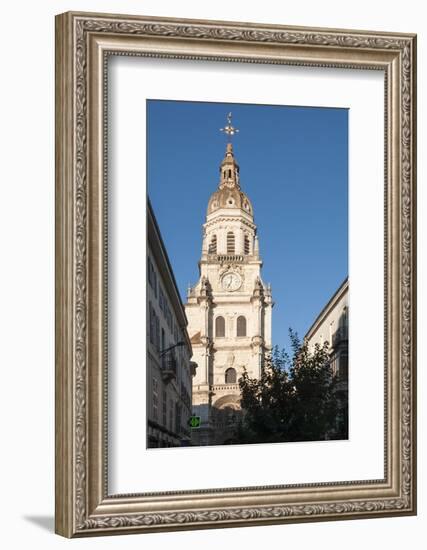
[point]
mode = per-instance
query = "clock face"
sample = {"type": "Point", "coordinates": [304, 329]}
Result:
{"type": "Point", "coordinates": [231, 282]}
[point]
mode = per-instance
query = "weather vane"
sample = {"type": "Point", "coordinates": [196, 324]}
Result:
{"type": "Point", "coordinates": [230, 130]}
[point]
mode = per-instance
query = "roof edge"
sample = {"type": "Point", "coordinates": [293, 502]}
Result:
{"type": "Point", "coordinates": [342, 289]}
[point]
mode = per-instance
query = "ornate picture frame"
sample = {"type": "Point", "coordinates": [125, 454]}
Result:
{"type": "Point", "coordinates": [84, 42]}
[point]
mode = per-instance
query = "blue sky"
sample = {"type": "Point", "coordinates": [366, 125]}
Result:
{"type": "Point", "coordinates": [294, 168]}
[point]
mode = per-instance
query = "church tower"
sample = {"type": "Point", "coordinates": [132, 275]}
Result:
{"type": "Point", "coordinates": [229, 308]}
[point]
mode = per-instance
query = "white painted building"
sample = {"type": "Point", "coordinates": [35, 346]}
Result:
{"type": "Point", "coordinates": [228, 309]}
{"type": "Point", "coordinates": [169, 369]}
{"type": "Point", "coordinates": [331, 325]}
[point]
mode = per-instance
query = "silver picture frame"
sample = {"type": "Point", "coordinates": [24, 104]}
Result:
{"type": "Point", "coordinates": [84, 41]}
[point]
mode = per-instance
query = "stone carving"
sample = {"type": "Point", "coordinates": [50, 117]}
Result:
{"type": "Point", "coordinates": [205, 289]}
{"type": "Point", "coordinates": [368, 507]}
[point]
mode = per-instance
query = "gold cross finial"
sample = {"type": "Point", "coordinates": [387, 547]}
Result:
{"type": "Point", "coordinates": [229, 129]}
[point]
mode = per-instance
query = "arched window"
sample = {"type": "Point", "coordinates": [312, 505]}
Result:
{"type": "Point", "coordinates": [246, 245]}
{"type": "Point", "coordinates": [230, 243]}
{"type": "Point", "coordinates": [212, 245]}
{"type": "Point", "coordinates": [220, 327]}
{"type": "Point", "coordinates": [241, 326]}
{"type": "Point", "coordinates": [230, 376]}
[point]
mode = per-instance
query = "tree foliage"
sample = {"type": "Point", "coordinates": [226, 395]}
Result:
{"type": "Point", "coordinates": [295, 399]}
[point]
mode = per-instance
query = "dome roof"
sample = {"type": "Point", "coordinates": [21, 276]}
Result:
{"type": "Point", "coordinates": [229, 197]}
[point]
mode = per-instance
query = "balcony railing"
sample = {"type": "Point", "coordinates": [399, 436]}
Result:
{"type": "Point", "coordinates": [227, 257]}
{"type": "Point", "coordinates": [226, 387]}
{"type": "Point", "coordinates": [169, 367]}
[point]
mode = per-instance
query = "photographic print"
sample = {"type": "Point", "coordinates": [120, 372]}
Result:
{"type": "Point", "coordinates": [247, 274]}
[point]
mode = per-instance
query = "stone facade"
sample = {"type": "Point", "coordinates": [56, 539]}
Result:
{"type": "Point", "coordinates": [169, 369]}
{"type": "Point", "coordinates": [331, 326]}
{"type": "Point", "coordinates": [228, 309]}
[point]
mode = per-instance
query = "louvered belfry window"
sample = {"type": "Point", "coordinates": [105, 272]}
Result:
{"type": "Point", "coordinates": [230, 243]}
{"type": "Point", "coordinates": [247, 247]}
{"type": "Point", "coordinates": [212, 245]}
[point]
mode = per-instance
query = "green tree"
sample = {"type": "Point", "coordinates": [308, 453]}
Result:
{"type": "Point", "coordinates": [295, 399]}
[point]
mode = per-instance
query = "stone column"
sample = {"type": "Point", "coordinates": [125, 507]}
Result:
{"type": "Point", "coordinates": [240, 241]}
{"type": "Point", "coordinates": [267, 325]}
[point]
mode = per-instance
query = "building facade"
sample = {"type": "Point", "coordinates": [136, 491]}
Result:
{"type": "Point", "coordinates": [228, 309]}
{"type": "Point", "coordinates": [331, 326]}
{"type": "Point", "coordinates": [169, 368]}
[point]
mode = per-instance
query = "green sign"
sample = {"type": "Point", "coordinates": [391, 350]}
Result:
{"type": "Point", "coordinates": [195, 421]}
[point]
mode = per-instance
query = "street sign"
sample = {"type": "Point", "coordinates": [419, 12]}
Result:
{"type": "Point", "coordinates": [195, 421]}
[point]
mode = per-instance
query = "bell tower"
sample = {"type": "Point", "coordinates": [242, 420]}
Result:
{"type": "Point", "coordinates": [229, 308]}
